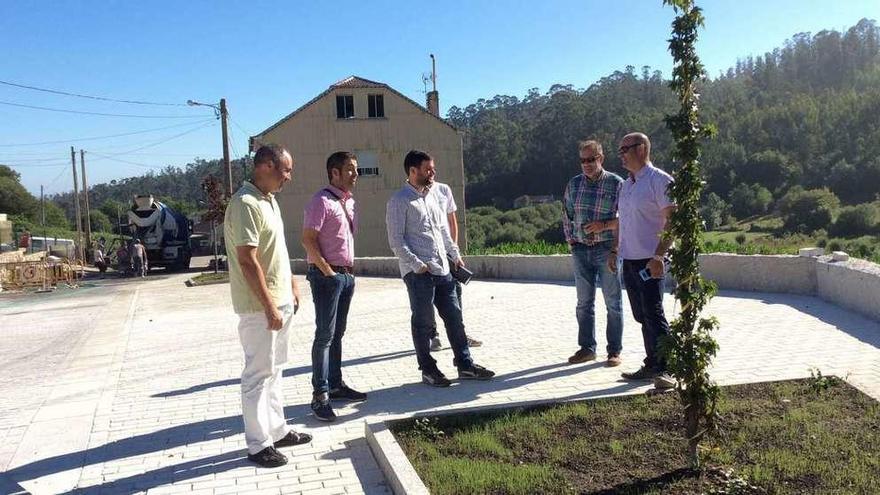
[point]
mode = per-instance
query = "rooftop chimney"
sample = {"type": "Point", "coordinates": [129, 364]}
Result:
{"type": "Point", "coordinates": [433, 96]}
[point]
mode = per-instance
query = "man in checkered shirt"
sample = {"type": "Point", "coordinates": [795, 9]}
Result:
{"type": "Point", "coordinates": [589, 222]}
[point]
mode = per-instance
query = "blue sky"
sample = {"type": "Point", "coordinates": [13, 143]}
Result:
{"type": "Point", "coordinates": [269, 57]}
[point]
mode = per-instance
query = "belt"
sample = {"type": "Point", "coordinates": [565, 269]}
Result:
{"type": "Point", "coordinates": [596, 243]}
{"type": "Point", "coordinates": [337, 269]}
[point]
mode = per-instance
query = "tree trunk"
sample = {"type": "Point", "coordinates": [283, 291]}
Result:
{"type": "Point", "coordinates": [692, 427]}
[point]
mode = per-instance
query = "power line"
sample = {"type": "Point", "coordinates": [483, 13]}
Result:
{"type": "Point", "coordinates": [112, 158]}
{"type": "Point", "coordinates": [101, 114]}
{"type": "Point", "coordinates": [65, 141]}
{"type": "Point", "coordinates": [163, 140]}
{"type": "Point", "coordinates": [242, 129]}
{"type": "Point", "coordinates": [57, 177]}
{"type": "Point", "coordinates": [101, 98]}
{"type": "Point", "coordinates": [35, 165]}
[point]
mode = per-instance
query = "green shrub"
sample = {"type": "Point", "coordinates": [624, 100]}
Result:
{"type": "Point", "coordinates": [858, 220]}
{"type": "Point", "coordinates": [808, 211]}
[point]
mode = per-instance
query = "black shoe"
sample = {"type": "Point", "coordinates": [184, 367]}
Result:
{"type": "Point", "coordinates": [322, 410]}
{"type": "Point", "coordinates": [475, 372]}
{"type": "Point", "coordinates": [347, 393]}
{"type": "Point", "coordinates": [643, 373]}
{"type": "Point", "coordinates": [268, 458]}
{"type": "Point", "coordinates": [293, 438]}
{"type": "Point", "coordinates": [436, 345]}
{"type": "Point", "coordinates": [473, 342]}
{"type": "Point", "coordinates": [435, 378]}
{"type": "Point", "coordinates": [582, 356]}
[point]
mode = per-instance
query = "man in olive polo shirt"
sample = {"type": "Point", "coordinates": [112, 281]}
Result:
{"type": "Point", "coordinates": [265, 297]}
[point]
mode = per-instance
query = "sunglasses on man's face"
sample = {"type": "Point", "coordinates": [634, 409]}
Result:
{"type": "Point", "coordinates": [590, 159]}
{"type": "Point", "coordinates": [623, 149]}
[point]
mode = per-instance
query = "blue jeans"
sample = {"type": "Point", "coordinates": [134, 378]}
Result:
{"type": "Point", "coordinates": [590, 267]}
{"type": "Point", "coordinates": [646, 300]}
{"type": "Point", "coordinates": [434, 333]}
{"type": "Point", "coordinates": [332, 298]}
{"type": "Point", "coordinates": [425, 292]}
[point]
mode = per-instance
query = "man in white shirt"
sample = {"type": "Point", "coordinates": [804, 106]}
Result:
{"type": "Point", "coordinates": [447, 203]}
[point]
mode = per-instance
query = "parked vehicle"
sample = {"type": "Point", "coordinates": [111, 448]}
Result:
{"type": "Point", "coordinates": [64, 248]}
{"type": "Point", "coordinates": [163, 231]}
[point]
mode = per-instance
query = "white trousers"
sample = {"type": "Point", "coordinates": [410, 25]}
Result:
{"type": "Point", "coordinates": [262, 401]}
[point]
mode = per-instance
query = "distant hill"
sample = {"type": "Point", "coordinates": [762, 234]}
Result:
{"type": "Point", "coordinates": [805, 114]}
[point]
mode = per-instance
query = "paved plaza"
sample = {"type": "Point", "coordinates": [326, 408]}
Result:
{"type": "Point", "coordinates": [132, 386]}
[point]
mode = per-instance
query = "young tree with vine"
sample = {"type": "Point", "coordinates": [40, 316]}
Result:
{"type": "Point", "coordinates": [689, 347]}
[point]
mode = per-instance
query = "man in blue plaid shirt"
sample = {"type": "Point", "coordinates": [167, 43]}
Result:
{"type": "Point", "coordinates": [589, 222]}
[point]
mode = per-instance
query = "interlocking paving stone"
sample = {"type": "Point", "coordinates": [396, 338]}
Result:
{"type": "Point", "coordinates": [165, 397]}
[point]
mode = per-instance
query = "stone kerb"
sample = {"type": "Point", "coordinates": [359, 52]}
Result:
{"type": "Point", "coordinates": [392, 460]}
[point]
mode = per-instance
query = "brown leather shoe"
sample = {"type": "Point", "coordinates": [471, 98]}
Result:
{"type": "Point", "coordinates": [613, 360]}
{"type": "Point", "coordinates": [582, 356]}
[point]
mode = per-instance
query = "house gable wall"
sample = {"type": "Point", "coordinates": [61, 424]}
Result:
{"type": "Point", "coordinates": [314, 132]}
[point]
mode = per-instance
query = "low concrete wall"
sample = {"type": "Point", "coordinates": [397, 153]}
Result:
{"type": "Point", "coordinates": [760, 273]}
{"type": "Point", "coordinates": [853, 284]}
{"type": "Point", "coordinates": [521, 267]}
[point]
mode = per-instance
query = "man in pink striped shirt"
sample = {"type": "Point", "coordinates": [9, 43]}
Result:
{"type": "Point", "coordinates": [329, 225]}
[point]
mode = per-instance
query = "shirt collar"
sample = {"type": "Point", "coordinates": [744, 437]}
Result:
{"type": "Point", "coordinates": [338, 192]}
{"type": "Point", "coordinates": [641, 173]}
{"type": "Point", "coordinates": [413, 189]}
{"type": "Point", "coordinates": [598, 179]}
{"type": "Point", "coordinates": [251, 188]}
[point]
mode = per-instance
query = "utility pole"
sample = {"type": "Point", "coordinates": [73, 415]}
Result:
{"type": "Point", "coordinates": [43, 220]}
{"type": "Point", "coordinates": [88, 227]}
{"type": "Point", "coordinates": [227, 167]}
{"type": "Point", "coordinates": [76, 203]}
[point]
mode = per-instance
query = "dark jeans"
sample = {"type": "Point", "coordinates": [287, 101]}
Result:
{"type": "Point", "coordinates": [591, 270]}
{"type": "Point", "coordinates": [425, 292]}
{"type": "Point", "coordinates": [434, 333]}
{"type": "Point", "coordinates": [646, 300]}
{"type": "Point", "coordinates": [332, 298]}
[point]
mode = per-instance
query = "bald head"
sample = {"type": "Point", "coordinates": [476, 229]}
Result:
{"type": "Point", "coordinates": [634, 151]}
{"type": "Point", "coordinates": [638, 137]}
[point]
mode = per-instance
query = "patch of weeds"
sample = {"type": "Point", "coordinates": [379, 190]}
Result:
{"type": "Point", "coordinates": [453, 476]}
{"type": "Point", "coordinates": [479, 444]}
{"type": "Point", "coordinates": [427, 428]}
{"type": "Point", "coordinates": [726, 482]}
{"type": "Point", "coordinates": [616, 447]}
{"type": "Point", "coordinates": [819, 383]}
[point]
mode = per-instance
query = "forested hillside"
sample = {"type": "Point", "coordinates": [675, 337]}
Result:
{"type": "Point", "coordinates": [804, 115]}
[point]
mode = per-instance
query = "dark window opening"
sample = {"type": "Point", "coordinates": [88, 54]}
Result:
{"type": "Point", "coordinates": [376, 105]}
{"type": "Point", "coordinates": [344, 106]}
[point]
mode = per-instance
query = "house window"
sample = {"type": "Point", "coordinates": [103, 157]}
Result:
{"type": "Point", "coordinates": [368, 163]}
{"type": "Point", "coordinates": [376, 104]}
{"type": "Point", "coordinates": [344, 106]}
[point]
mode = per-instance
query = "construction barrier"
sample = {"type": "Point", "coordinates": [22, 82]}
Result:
{"type": "Point", "coordinates": [20, 275]}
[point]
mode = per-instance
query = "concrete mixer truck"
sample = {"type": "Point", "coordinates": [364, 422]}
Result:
{"type": "Point", "coordinates": [163, 231]}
